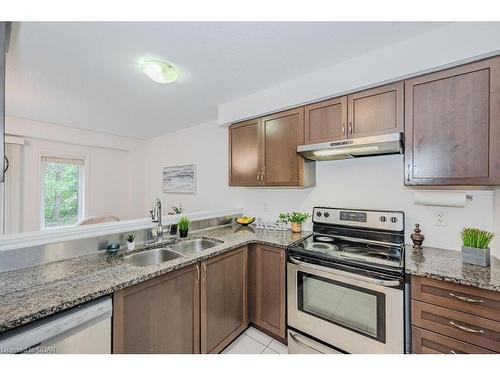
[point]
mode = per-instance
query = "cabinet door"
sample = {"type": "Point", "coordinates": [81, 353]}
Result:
{"type": "Point", "coordinates": [270, 290]}
{"type": "Point", "coordinates": [223, 299]}
{"type": "Point", "coordinates": [283, 132]}
{"type": "Point", "coordinates": [245, 154]}
{"type": "Point", "coordinates": [161, 315]}
{"type": "Point", "coordinates": [376, 111]}
{"type": "Point", "coordinates": [326, 121]}
{"type": "Point", "coordinates": [452, 121]}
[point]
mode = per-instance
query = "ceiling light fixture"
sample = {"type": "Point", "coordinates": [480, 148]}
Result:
{"type": "Point", "coordinates": [160, 71]}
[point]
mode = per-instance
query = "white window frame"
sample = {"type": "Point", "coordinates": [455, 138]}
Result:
{"type": "Point", "coordinates": [82, 187]}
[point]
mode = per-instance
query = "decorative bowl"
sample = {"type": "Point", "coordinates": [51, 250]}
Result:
{"type": "Point", "coordinates": [245, 220]}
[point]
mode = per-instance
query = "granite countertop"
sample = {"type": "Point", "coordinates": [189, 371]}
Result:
{"type": "Point", "coordinates": [35, 292]}
{"type": "Point", "coordinates": [447, 265]}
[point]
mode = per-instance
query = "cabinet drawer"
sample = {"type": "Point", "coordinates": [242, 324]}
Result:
{"type": "Point", "coordinates": [427, 342]}
{"type": "Point", "coordinates": [467, 299]}
{"type": "Point", "coordinates": [469, 328]}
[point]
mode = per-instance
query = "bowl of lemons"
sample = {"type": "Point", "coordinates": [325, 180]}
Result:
{"type": "Point", "coordinates": [245, 220]}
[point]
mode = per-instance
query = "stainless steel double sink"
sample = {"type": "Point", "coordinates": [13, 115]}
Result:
{"type": "Point", "coordinates": [164, 254]}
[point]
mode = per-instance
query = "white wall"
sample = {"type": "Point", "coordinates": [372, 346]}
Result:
{"type": "Point", "coordinates": [109, 178]}
{"type": "Point", "coordinates": [370, 183]}
{"type": "Point", "coordinates": [440, 47]}
{"type": "Point", "coordinates": [204, 145]}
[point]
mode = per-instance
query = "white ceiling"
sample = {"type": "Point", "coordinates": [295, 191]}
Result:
{"type": "Point", "coordinates": [84, 75]}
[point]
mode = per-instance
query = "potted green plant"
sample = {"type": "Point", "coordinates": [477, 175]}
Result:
{"type": "Point", "coordinates": [183, 225]}
{"type": "Point", "coordinates": [295, 218]}
{"type": "Point", "coordinates": [476, 246]}
{"type": "Point", "coordinates": [131, 242]}
{"type": "Point", "coordinates": [176, 210]}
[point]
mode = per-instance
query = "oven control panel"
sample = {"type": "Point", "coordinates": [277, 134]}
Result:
{"type": "Point", "coordinates": [383, 220]}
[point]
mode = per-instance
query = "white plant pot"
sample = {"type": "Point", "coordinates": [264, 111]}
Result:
{"type": "Point", "coordinates": [130, 245]}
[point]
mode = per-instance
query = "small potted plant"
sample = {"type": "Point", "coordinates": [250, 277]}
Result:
{"type": "Point", "coordinates": [296, 219]}
{"type": "Point", "coordinates": [131, 242]}
{"type": "Point", "coordinates": [183, 225]}
{"type": "Point", "coordinates": [476, 246]}
{"type": "Point", "coordinates": [176, 210]}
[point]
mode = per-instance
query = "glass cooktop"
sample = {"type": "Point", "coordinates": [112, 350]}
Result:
{"type": "Point", "coordinates": [359, 251]}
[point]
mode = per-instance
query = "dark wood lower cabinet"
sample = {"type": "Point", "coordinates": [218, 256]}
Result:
{"type": "Point", "coordinates": [223, 299]}
{"type": "Point", "coordinates": [203, 307]}
{"type": "Point", "coordinates": [267, 289]}
{"type": "Point", "coordinates": [161, 315]}
{"type": "Point", "coordinates": [452, 318]}
{"type": "Point", "coordinates": [427, 342]}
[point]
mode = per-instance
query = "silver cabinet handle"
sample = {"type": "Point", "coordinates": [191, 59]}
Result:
{"type": "Point", "coordinates": [371, 280]}
{"type": "Point", "coordinates": [197, 274]}
{"type": "Point", "coordinates": [258, 176]}
{"type": "Point", "coordinates": [350, 127]}
{"type": "Point", "coordinates": [204, 276]}
{"type": "Point", "coordinates": [465, 299]}
{"type": "Point", "coordinates": [453, 352]}
{"type": "Point", "coordinates": [343, 129]}
{"type": "Point", "coordinates": [466, 329]}
{"type": "Point", "coordinates": [408, 173]}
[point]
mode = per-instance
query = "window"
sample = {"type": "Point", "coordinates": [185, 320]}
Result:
{"type": "Point", "coordinates": [62, 191]}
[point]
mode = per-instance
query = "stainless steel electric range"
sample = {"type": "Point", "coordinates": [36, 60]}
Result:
{"type": "Point", "coordinates": [346, 284]}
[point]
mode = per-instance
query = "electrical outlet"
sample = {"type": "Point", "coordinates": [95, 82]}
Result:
{"type": "Point", "coordinates": [264, 206]}
{"type": "Point", "coordinates": [441, 219]}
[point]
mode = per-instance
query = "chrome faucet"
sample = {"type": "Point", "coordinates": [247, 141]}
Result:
{"type": "Point", "coordinates": [156, 218]}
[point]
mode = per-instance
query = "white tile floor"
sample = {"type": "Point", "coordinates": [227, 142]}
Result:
{"type": "Point", "coordinates": [253, 341]}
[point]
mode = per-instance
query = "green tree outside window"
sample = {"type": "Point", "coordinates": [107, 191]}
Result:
{"type": "Point", "coordinates": [61, 194]}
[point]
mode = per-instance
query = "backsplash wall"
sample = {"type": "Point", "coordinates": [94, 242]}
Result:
{"type": "Point", "coordinates": [370, 183]}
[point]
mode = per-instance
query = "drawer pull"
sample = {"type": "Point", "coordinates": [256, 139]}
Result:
{"type": "Point", "coordinates": [466, 329]}
{"type": "Point", "coordinates": [453, 352]}
{"type": "Point", "coordinates": [465, 299]}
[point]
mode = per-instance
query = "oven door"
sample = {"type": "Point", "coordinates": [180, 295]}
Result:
{"type": "Point", "coordinates": [349, 308]}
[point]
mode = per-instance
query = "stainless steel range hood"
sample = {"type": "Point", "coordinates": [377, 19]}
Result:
{"type": "Point", "coordinates": [354, 148]}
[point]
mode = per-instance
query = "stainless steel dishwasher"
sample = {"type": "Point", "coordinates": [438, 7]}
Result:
{"type": "Point", "coordinates": [84, 329]}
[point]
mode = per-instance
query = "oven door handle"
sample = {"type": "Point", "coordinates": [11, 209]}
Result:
{"type": "Point", "coordinates": [371, 280]}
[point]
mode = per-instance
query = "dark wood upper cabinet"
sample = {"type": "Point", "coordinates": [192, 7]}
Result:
{"type": "Point", "coordinates": [325, 121]}
{"type": "Point", "coordinates": [452, 121]}
{"type": "Point", "coordinates": [245, 153]}
{"type": "Point", "coordinates": [263, 152]}
{"type": "Point", "coordinates": [267, 302]}
{"type": "Point", "coordinates": [371, 112]}
{"type": "Point", "coordinates": [223, 299]}
{"type": "Point", "coordinates": [282, 133]}
{"type": "Point", "coordinates": [376, 111]}
{"type": "Point", "coordinates": [161, 315]}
